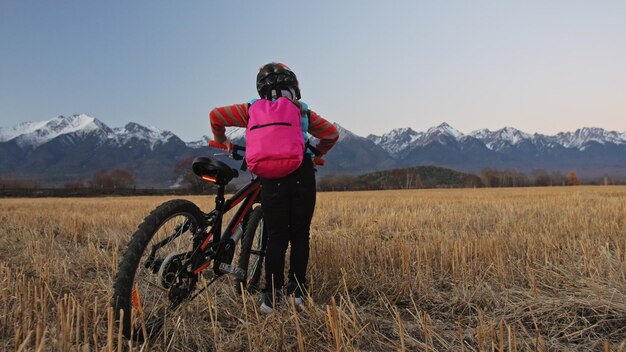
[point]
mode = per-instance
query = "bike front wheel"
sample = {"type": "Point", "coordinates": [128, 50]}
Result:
{"type": "Point", "coordinates": [151, 280]}
{"type": "Point", "coordinates": [252, 252]}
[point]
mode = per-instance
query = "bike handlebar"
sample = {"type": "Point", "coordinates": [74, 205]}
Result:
{"type": "Point", "coordinates": [222, 146]}
{"type": "Point", "coordinates": [316, 160]}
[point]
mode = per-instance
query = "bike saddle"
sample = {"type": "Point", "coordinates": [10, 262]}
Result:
{"type": "Point", "coordinates": [213, 170]}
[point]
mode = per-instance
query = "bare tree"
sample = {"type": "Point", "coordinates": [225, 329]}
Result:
{"type": "Point", "coordinates": [116, 179]}
{"type": "Point", "coordinates": [572, 179]}
{"type": "Point", "coordinates": [122, 179]}
{"type": "Point", "coordinates": [490, 178]}
{"type": "Point", "coordinates": [102, 180]}
{"type": "Point", "coordinates": [541, 178]}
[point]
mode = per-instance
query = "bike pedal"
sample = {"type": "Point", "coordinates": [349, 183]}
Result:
{"type": "Point", "coordinates": [232, 270]}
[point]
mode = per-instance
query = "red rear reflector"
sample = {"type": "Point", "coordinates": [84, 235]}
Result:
{"type": "Point", "coordinates": [209, 178]}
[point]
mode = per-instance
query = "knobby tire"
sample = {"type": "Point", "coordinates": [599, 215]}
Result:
{"type": "Point", "coordinates": [137, 247]}
{"type": "Point", "coordinates": [254, 238]}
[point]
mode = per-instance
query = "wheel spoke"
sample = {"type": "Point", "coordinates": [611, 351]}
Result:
{"type": "Point", "coordinates": [153, 292]}
{"type": "Point", "coordinates": [154, 285]}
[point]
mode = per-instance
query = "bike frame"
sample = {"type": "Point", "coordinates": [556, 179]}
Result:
{"type": "Point", "coordinates": [210, 244]}
{"type": "Point", "coordinates": [227, 240]}
{"type": "Point", "coordinates": [224, 241]}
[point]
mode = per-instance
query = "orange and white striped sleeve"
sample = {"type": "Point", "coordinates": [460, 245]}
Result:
{"type": "Point", "coordinates": [226, 116]}
{"type": "Point", "coordinates": [323, 130]}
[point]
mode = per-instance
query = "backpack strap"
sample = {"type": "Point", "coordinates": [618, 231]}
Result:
{"type": "Point", "coordinates": [308, 145]}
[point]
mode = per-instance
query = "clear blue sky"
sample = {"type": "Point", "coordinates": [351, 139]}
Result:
{"type": "Point", "coordinates": [539, 66]}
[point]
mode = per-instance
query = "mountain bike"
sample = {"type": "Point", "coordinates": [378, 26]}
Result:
{"type": "Point", "coordinates": [178, 251]}
{"type": "Point", "coordinates": [177, 244]}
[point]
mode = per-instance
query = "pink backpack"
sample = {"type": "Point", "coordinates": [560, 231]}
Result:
{"type": "Point", "coordinates": [274, 139]}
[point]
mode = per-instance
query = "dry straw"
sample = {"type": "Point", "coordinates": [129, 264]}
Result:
{"type": "Point", "coordinates": [425, 270]}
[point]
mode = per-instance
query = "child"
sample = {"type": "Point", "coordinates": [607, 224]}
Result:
{"type": "Point", "coordinates": [288, 202]}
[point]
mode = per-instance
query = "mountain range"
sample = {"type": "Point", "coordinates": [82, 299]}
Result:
{"type": "Point", "coordinates": [70, 148]}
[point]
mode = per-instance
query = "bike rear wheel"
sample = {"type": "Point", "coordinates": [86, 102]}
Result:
{"type": "Point", "coordinates": [149, 285]}
{"type": "Point", "coordinates": [252, 252]}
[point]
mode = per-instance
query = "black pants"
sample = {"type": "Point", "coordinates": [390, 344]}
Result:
{"type": "Point", "coordinates": [288, 205]}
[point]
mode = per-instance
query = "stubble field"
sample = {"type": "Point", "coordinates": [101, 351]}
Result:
{"type": "Point", "coordinates": [425, 270]}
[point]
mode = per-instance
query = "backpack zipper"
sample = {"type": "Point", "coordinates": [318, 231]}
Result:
{"type": "Point", "coordinates": [270, 124]}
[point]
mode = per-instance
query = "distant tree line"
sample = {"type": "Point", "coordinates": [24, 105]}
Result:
{"type": "Point", "coordinates": [122, 182]}
{"type": "Point", "coordinates": [14, 182]}
{"type": "Point", "coordinates": [439, 177]}
{"type": "Point", "coordinates": [538, 178]}
{"type": "Point", "coordinates": [114, 182]}
{"type": "Point", "coordinates": [116, 179]}
{"type": "Point", "coordinates": [407, 178]}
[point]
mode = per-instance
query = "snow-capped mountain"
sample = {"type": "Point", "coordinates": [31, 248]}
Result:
{"type": "Point", "coordinates": [34, 134]}
{"type": "Point", "coordinates": [344, 133]}
{"type": "Point", "coordinates": [503, 138]}
{"type": "Point", "coordinates": [583, 136]}
{"type": "Point", "coordinates": [31, 135]}
{"type": "Point", "coordinates": [69, 148]}
{"type": "Point", "coordinates": [589, 151]}
{"type": "Point", "coordinates": [397, 140]}
{"type": "Point", "coordinates": [134, 132]}
{"type": "Point", "coordinates": [443, 134]}
{"type": "Point", "coordinates": [402, 139]}
{"type": "Point", "coordinates": [236, 134]}
{"type": "Point", "coordinates": [199, 143]}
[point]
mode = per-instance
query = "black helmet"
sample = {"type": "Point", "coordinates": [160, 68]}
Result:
{"type": "Point", "coordinates": [276, 76]}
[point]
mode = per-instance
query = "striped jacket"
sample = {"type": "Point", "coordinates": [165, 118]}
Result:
{"type": "Point", "coordinates": [237, 116]}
